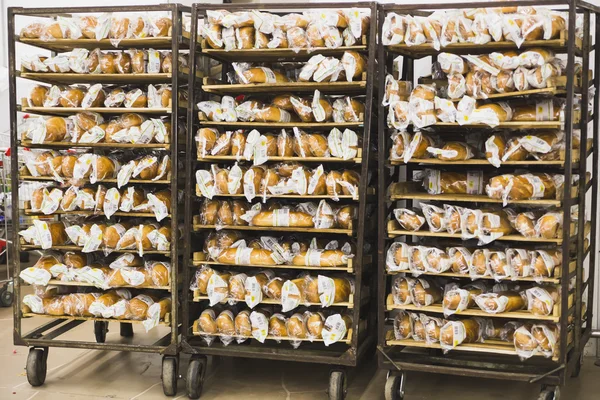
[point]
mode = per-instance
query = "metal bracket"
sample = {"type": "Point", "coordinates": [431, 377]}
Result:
{"type": "Point", "coordinates": [380, 348]}
{"type": "Point", "coordinates": [540, 377]}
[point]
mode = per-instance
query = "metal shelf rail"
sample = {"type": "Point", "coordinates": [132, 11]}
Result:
{"type": "Point", "coordinates": [210, 63]}
{"type": "Point", "coordinates": [49, 333]}
{"type": "Point", "coordinates": [494, 360]}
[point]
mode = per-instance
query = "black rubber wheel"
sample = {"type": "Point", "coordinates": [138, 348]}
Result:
{"type": "Point", "coordinates": [126, 329]}
{"type": "Point", "coordinates": [6, 297]}
{"type": "Point", "coordinates": [100, 330]}
{"type": "Point", "coordinates": [169, 375]}
{"type": "Point", "coordinates": [36, 367]}
{"type": "Point", "coordinates": [195, 376]}
{"type": "Point", "coordinates": [337, 385]}
{"type": "Point", "coordinates": [394, 387]}
{"type": "Point", "coordinates": [577, 370]}
{"type": "Point", "coordinates": [550, 393]}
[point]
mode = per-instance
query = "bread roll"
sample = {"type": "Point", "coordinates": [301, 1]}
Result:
{"type": "Point", "coordinates": [277, 326]}
{"type": "Point", "coordinates": [37, 96]}
{"type": "Point", "coordinates": [225, 323]}
{"type": "Point", "coordinates": [455, 333]}
{"type": "Point", "coordinates": [425, 293]}
{"type": "Point", "coordinates": [207, 322]}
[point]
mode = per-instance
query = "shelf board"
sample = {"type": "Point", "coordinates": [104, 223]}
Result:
{"type": "Point", "coordinates": [409, 190]}
{"type": "Point", "coordinates": [87, 213]}
{"type": "Point", "coordinates": [69, 317]}
{"type": "Point", "coordinates": [490, 346]}
{"type": "Point", "coordinates": [69, 78]}
{"type": "Point", "coordinates": [199, 259]}
{"type": "Point", "coordinates": [26, 247]}
{"type": "Point", "coordinates": [283, 125]}
{"type": "Point", "coordinates": [68, 145]}
{"type": "Point", "coordinates": [554, 279]}
{"type": "Point", "coordinates": [297, 87]}
{"type": "Point", "coordinates": [475, 312]}
{"type": "Point", "coordinates": [56, 282]}
{"type": "Point", "coordinates": [198, 227]}
{"type": "Point", "coordinates": [394, 230]}
{"type": "Point", "coordinates": [346, 304]}
{"type": "Point", "coordinates": [558, 45]}
{"type": "Point", "coordinates": [196, 332]}
{"type": "Point", "coordinates": [99, 110]}
{"type": "Point", "coordinates": [357, 160]}
{"type": "Point", "coordinates": [262, 55]}
{"type": "Point", "coordinates": [508, 125]}
{"type": "Point", "coordinates": [60, 45]}
{"type": "Point", "coordinates": [285, 196]}
{"type": "Point", "coordinates": [131, 181]}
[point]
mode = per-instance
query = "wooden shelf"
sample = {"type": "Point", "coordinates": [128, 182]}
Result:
{"type": "Point", "coordinates": [89, 213]}
{"type": "Point", "coordinates": [99, 110]}
{"type": "Point", "coordinates": [69, 78]}
{"type": "Point", "coordinates": [297, 87]}
{"type": "Point", "coordinates": [475, 312]}
{"type": "Point", "coordinates": [292, 196]}
{"type": "Point", "coordinates": [423, 50]}
{"type": "Point", "coordinates": [555, 86]}
{"type": "Point", "coordinates": [508, 125]}
{"type": "Point", "coordinates": [68, 145]}
{"type": "Point", "coordinates": [196, 332]}
{"type": "Point", "coordinates": [272, 55]}
{"type": "Point", "coordinates": [323, 126]}
{"type": "Point", "coordinates": [410, 190]}
{"type": "Point", "coordinates": [357, 160]}
{"type": "Point", "coordinates": [394, 230]}
{"type": "Point", "coordinates": [131, 181]}
{"type": "Point", "coordinates": [61, 45]}
{"type": "Point", "coordinates": [554, 279]}
{"type": "Point", "coordinates": [69, 317]}
{"type": "Point", "coordinates": [56, 282]}
{"type": "Point", "coordinates": [490, 346]}
{"type": "Point", "coordinates": [434, 161]}
{"type": "Point", "coordinates": [346, 304]}
{"type": "Point", "coordinates": [199, 259]}
{"type": "Point", "coordinates": [26, 247]}
{"type": "Point", "coordinates": [197, 227]}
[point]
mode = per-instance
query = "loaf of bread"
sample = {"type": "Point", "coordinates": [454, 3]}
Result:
{"type": "Point", "coordinates": [455, 333]}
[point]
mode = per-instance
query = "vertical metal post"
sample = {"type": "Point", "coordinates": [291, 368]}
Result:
{"type": "Point", "coordinates": [362, 206]}
{"type": "Point", "coordinates": [583, 156]}
{"type": "Point", "coordinates": [595, 162]}
{"type": "Point", "coordinates": [14, 172]}
{"type": "Point", "coordinates": [189, 173]}
{"type": "Point", "coordinates": [567, 186]}
{"type": "Point", "coordinates": [175, 38]}
{"type": "Point", "coordinates": [381, 189]}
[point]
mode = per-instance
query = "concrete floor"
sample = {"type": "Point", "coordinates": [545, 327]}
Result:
{"type": "Point", "coordinates": [90, 375]}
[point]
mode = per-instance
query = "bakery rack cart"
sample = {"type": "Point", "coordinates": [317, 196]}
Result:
{"type": "Point", "coordinates": [497, 360]}
{"type": "Point", "coordinates": [51, 330]}
{"type": "Point", "coordinates": [214, 65]}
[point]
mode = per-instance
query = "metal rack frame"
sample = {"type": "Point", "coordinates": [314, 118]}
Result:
{"type": "Point", "coordinates": [546, 372]}
{"type": "Point", "coordinates": [48, 334]}
{"type": "Point", "coordinates": [361, 343]}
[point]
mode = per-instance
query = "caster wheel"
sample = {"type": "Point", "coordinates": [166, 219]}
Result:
{"type": "Point", "coordinates": [36, 366]}
{"type": "Point", "coordinates": [6, 297]}
{"type": "Point", "coordinates": [577, 370]}
{"type": "Point", "coordinates": [169, 375]}
{"type": "Point", "coordinates": [394, 387]}
{"type": "Point", "coordinates": [126, 330]}
{"type": "Point", "coordinates": [337, 385]}
{"type": "Point", "coordinates": [100, 330]}
{"type": "Point", "coordinates": [550, 393]}
{"type": "Point", "coordinates": [195, 376]}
